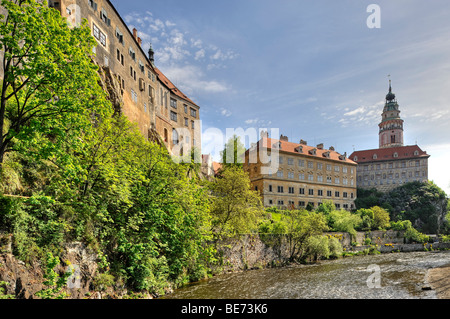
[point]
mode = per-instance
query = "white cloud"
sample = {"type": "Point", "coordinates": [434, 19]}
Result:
{"type": "Point", "coordinates": [200, 54]}
{"type": "Point", "coordinates": [225, 112]}
{"type": "Point", "coordinates": [362, 115]}
{"type": "Point", "coordinates": [190, 79]}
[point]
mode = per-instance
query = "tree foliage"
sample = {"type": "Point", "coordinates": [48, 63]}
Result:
{"type": "Point", "coordinates": [48, 78]}
{"type": "Point", "coordinates": [235, 207]}
{"type": "Point", "coordinates": [423, 203]}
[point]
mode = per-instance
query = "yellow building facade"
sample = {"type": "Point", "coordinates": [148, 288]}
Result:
{"type": "Point", "coordinates": [294, 175]}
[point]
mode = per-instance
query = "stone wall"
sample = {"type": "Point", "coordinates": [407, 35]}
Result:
{"type": "Point", "coordinates": [252, 252]}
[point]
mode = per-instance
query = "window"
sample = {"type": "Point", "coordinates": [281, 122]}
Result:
{"type": "Point", "coordinates": [132, 53]}
{"type": "Point", "coordinates": [186, 121]}
{"type": "Point", "coordinates": [290, 175]}
{"type": "Point", "coordinates": [280, 189]}
{"type": "Point", "coordinates": [310, 177]}
{"type": "Point", "coordinates": [280, 174]}
{"type": "Point", "coordinates": [104, 17]}
{"type": "Point", "coordinates": [329, 179]}
{"type": "Point", "coordinates": [270, 188]}
{"type": "Point", "coordinates": [192, 124]}
{"type": "Point", "coordinates": [185, 108]}
{"type": "Point", "coordinates": [320, 192]}
{"type": "Point", "coordinates": [301, 191]}
{"type": "Point", "coordinates": [301, 204]}
{"type": "Point", "coordinates": [173, 103]}
{"type": "Point", "coordinates": [93, 5]}
{"type": "Point", "coordinates": [345, 194]}
{"type": "Point", "coordinates": [310, 164]}
{"type": "Point", "coordinates": [141, 66]}
{"type": "Point", "coordinates": [280, 160]}
{"type": "Point", "coordinates": [145, 107]}
{"type": "Point", "coordinates": [175, 137]}
{"type": "Point", "coordinates": [337, 181]}
{"type": "Point", "coordinates": [290, 161]}
{"type": "Point", "coordinates": [301, 163]}
{"type": "Point", "coordinates": [106, 61]}
{"type": "Point", "coordinates": [336, 194]}
{"type": "Point", "coordinates": [132, 73]}
{"type": "Point", "coordinates": [319, 166]}
{"type": "Point", "coordinates": [329, 193]}
{"type": "Point", "coordinates": [173, 116]}
{"type": "Point", "coordinates": [328, 167]}
{"type": "Point", "coordinates": [311, 192]}
{"type": "Point", "coordinates": [270, 202]}
{"type": "Point", "coordinates": [98, 34]}
{"type": "Point", "coordinates": [319, 178]}
{"type": "Point", "coordinates": [193, 112]}
{"type": "Point", "coordinates": [291, 190]}
{"type": "Point", "coordinates": [119, 35]}
{"type": "Point", "coordinates": [280, 203]}
{"type": "Point", "coordinates": [301, 176]}
{"type": "Point", "coordinates": [133, 96]}
{"type": "Point", "coordinates": [344, 170]}
{"type": "Point", "coordinates": [336, 168]}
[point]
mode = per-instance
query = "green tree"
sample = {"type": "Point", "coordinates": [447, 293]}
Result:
{"type": "Point", "coordinates": [48, 84]}
{"type": "Point", "coordinates": [301, 225]}
{"type": "Point", "coordinates": [344, 221]}
{"type": "Point", "coordinates": [235, 207]}
{"type": "Point", "coordinates": [233, 152]}
{"type": "Point", "coordinates": [381, 219]}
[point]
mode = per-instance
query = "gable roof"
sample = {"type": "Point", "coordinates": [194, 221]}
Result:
{"type": "Point", "coordinates": [388, 154]}
{"type": "Point", "coordinates": [307, 150]}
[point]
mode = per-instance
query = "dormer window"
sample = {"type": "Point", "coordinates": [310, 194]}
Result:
{"type": "Point", "coordinates": [355, 158]}
{"type": "Point", "coordinates": [313, 151]}
{"type": "Point", "coordinates": [416, 153]}
{"type": "Point", "coordinates": [375, 156]}
{"type": "Point", "coordinates": [395, 154]}
{"type": "Point", "coordinates": [299, 149]}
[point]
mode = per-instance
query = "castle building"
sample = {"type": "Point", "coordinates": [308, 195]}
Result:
{"type": "Point", "coordinates": [305, 175]}
{"type": "Point", "coordinates": [392, 164]}
{"type": "Point", "coordinates": [150, 99]}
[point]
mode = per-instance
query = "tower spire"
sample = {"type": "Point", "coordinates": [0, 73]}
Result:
{"type": "Point", "coordinates": [391, 126]}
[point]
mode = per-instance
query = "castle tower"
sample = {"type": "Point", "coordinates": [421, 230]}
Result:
{"type": "Point", "coordinates": [391, 126]}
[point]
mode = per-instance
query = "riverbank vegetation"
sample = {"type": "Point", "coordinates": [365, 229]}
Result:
{"type": "Point", "coordinates": [72, 169]}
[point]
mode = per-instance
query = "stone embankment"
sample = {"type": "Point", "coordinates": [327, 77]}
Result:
{"type": "Point", "coordinates": [254, 251]}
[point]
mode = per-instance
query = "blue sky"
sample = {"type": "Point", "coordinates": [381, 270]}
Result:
{"type": "Point", "coordinates": [313, 69]}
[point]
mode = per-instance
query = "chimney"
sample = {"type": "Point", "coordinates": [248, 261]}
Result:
{"type": "Point", "coordinates": [284, 138]}
{"type": "Point", "coordinates": [135, 33]}
{"type": "Point", "coordinates": [264, 134]}
{"type": "Point", "coordinates": [302, 142]}
{"type": "Point", "coordinates": [331, 148]}
{"type": "Point", "coordinates": [139, 41]}
{"type": "Point", "coordinates": [320, 146]}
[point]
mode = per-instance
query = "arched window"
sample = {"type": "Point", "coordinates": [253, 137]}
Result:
{"type": "Point", "coordinates": [375, 156]}
{"type": "Point", "coordinates": [175, 138]}
{"type": "Point", "coordinates": [355, 158]}
{"type": "Point", "coordinates": [395, 154]}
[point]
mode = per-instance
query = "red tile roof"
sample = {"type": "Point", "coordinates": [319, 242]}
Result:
{"type": "Point", "coordinates": [216, 167]}
{"type": "Point", "coordinates": [386, 154]}
{"type": "Point", "coordinates": [307, 150]}
{"type": "Point", "coordinates": [172, 87]}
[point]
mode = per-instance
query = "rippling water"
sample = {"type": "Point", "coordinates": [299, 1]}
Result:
{"type": "Point", "coordinates": [402, 276]}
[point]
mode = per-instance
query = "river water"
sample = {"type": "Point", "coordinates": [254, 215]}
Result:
{"type": "Point", "coordinates": [401, 276]}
